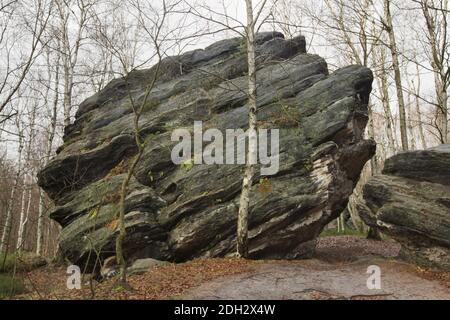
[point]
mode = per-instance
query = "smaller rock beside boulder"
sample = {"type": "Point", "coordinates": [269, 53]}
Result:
{"type": "Point", "coordinates": [410, 201]}
{"type": "Point", "coordinates": [30, 261]}
{"type": "Point", "coordinates": [140, 266]}
{"type": "Point", "coordinates": [109, 268]}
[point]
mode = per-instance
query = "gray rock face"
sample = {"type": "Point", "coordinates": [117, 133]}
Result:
{"type": "Point", "coordinates": [177, 213]}
{"type": "Point", "coordinates": [141, 266]}
{"type": "Point", "coordinates": [410, 202]}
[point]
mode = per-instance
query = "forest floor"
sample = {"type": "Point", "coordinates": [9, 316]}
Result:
{"type": "Point", "coordinates": [338, 271]}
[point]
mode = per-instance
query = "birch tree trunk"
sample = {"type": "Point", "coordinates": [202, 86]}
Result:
{"type": "Point", "coordinates": [384, 91]}
{"type": "Point", "coordinates": [22, 214]}
{"type": "Point", "coordinates": [48, 151]}
{"type": "Point", "coordinates": [27, 180]}
{"type": "Point", "coordinates": [442, 101]}
{"type": "Point", "coordinates": [438, 42]}
{"type": "Point", "coordinates": [40, 224]}
{"type": "Point", "coordinates": [397, 75]}
{"type": "Point", "coordinates": [10, 206]}
{"type": "Point", "coordinates": [23, 225]}
{"type": "Point", "coordinates": [371, 134]}
{"type": "Point", "coordinates": [70, 50]}
{"type": "Point", "coordinates": [410, 124]}
{"type": "Point", "coordinates": [417, 89]}
{"type": "Point", "coordinates": [8, 220]}
{"type": "Point", "coordinates": [157, 39]}
{"type": "Point", "coordinates": [67, 95]}
{"type": "Point", "coordinates": [244, 202]}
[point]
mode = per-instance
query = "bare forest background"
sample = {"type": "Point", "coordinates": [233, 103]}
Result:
{"type": "Point", "coordinates": [56, 53]}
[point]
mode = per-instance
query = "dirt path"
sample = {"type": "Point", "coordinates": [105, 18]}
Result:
{"type": "Point", "coordinates": [338, 272]}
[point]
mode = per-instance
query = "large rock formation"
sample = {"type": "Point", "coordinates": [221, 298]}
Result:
{"type": "Point", "coordinates": [410, 202]}
{"type": "Point", "coordinates": [177, 212]}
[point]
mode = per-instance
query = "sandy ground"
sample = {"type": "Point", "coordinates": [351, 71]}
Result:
{"type": "Point", "coordinates": [339, 271]}
{"type": "Point", "coordinates": [318, 280]}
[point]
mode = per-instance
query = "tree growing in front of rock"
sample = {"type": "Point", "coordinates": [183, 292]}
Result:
{"type": "Point", "coordinates": [154, 21]}
{"type": "Point", "coordinates": [244, 202]}
{"type": "Point", "coordinates": [226, 22]}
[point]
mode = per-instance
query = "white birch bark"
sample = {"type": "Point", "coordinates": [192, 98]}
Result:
{"type": "Point", "coordinates": [244, 202]}
{"type": "Point", "coordinates": [10, 206]}
{"type": "Point", "coordinates": [48, 151]}
{"type": "Point", "coordinates": [439, 58]}
{"type": "Point", "coordinates": [397, 75]}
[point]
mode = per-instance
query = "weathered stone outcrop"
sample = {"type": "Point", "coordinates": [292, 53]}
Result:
{"type": "Point", "coordinates": [178, 213]}
{"type": "Point", "coordinates": [410, 201]}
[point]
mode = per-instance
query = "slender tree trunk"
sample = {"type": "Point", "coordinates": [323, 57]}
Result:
{"type": "Point", "coordinates": [419, 114]}
{"type": "Point", "coordinates": [122, 231]}
{"type": "Point", "coordinates": [412, 136]}
{"type": "Point", "coordinates": [48, 152]}
{"type": "Point", "coordinates": [4, 244]}
{"type": "Point", "coordinates": [8, 219]}
{"type": "Point", "coordinates": [27, 180]}
{"type": "Point", "coordinates": [27, 215]}
{"type": "Point", "coordinates": [21, 229]}
{"type": "Point", "coordinates": [66, 49]}
{"type": "Point", "coordinates": [397, 74]}
{"type": "Point", "coordinates": [70, 50]}
{"type": "Point", "coordinates": [140, 143]}
{"type": "Point", "coordinates": [49, 232]}
{"type": "Point", "coordinates": [244, 203]}
{"type": "Point", "coordinates": [384, 91]}
{"type": "Point", "coordinates": [420, 124]}
{"type": "Point", "coordinates": [67, 95]}
{"type": "Point", "coordinates": [371, 133]}
{"type": "Point", "coordinates": [40, 225]}
{"type": "Point", "coordinates": [445, 116]}
{"type": "Point", "coordinates": [443, 113]}
{"type": "Point", "coordinates": [439, 54]}
{"type": "Point", "coordinates": [373, 161]}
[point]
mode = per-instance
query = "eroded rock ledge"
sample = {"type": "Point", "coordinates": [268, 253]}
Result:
{"type": "Point", "coordinates": [178, 214]}
{"type": "Point", "coordinates": [410, 202]}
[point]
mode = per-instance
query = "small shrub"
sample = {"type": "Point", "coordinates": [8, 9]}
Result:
{"type": "Point", "coordinates": [10, 286]}
{"type": "Point", "coordinates": [93, 212]}
{"type": "Point", "coordinates": [187, 165]}
{"type": "Point", "coordinates": [287, 116]}
{"type": "Point", "coordinates": [8, 263]}
{"type": "Point", "coordinates": [23, 261]}
{"type": "Point", "coordinates": [265, 187]}
{"type": "Point", "coordinates": [151, 104]}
